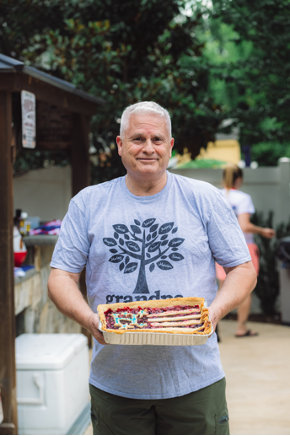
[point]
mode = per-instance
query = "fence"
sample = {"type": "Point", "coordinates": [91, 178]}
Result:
{"type": "Point", "coordinates": [269, 187]}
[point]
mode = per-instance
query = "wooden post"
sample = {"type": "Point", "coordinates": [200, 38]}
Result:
{"type": "Point", "coordinates": [80, 164]}
{"type": "Point", "coordinates": [7, 314]}
{"type": "Point", "coordinates": [80, 153]}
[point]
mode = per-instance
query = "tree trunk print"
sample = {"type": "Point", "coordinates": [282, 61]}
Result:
{"type": "Point", "coordinates": [141, 285]}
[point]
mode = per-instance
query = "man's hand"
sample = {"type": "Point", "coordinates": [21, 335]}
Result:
{"type": "Point", "coordinates": [93, 327]}
{"type": "Point", "coordinates": [213, 318]}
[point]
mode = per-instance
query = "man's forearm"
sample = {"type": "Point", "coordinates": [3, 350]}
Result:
{"type": "Point", "coordinates": [64, 292]}
{"type": "Point", "coordinates": [239, 283]}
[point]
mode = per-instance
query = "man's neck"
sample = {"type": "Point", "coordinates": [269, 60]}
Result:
{"type": "Point", "coordinates": [145, 187]}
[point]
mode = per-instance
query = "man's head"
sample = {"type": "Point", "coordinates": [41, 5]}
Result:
{"type": "Point", "coordinates": [144, 107]}
{"type": "Point", "coordinates": [145, 142]}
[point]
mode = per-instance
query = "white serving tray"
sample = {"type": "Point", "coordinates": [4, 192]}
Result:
{"type": "Point", "coordinates": [145, 338]}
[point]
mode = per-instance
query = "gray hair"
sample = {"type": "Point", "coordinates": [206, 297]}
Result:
{"type": "Point", "coordinates": [144, 107]}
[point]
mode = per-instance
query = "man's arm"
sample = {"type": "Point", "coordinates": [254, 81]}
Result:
{"type": "Point", "coordinates": [239, 283]}
{"type": "Point", "coordinates": [63, 289]}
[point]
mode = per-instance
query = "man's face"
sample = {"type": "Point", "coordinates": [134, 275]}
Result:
{"type": "Point", "coordinates": [146, 146]}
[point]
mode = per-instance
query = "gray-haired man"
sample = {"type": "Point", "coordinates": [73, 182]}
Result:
{"type": "Point", "coordinates": [151, 389]}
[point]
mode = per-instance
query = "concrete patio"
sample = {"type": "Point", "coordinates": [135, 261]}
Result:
{"type": "Point", "coordinates": [258, 379]}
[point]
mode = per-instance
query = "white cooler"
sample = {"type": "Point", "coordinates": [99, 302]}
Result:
{"type": "Point", "coordinates": [52, 373]}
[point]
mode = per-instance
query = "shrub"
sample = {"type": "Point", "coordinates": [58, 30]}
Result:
{"type": "Point", "coordinates": [268, 153]}
{"type": "Point", "coordinates": [268, 288]}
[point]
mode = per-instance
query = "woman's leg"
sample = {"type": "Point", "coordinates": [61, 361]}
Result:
{"type": "Point", "coordinates": [243, 315]}
{"type": "Point", "coordinates": [243, 312]}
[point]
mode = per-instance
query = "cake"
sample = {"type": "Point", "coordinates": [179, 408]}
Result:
{"type": "Point", "coordinates": [174, 315]}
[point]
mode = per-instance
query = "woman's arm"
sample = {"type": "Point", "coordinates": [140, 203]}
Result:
{"type": "Point", "coordinates": [248, 227]}
{"type": "Point", "coordinates": [63, 289]}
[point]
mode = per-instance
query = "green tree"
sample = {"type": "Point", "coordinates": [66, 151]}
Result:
{"type": "Point", "coordinates": [253, 86]}
{"type": "Point", "coordinates": [123, 52]}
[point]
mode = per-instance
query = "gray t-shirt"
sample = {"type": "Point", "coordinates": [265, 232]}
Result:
{"type": "Point", "coordinates": [151, 247]}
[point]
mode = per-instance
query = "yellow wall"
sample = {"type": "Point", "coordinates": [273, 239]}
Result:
{"type": "Point", "coordinates": [227, 150]}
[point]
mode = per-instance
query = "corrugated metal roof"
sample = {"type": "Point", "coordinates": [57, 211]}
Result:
{"type": "Point", "coordinates": [8, 64]}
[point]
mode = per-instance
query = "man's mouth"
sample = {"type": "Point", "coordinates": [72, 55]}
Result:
{"type": "Point", "coordinates": [147, 159]}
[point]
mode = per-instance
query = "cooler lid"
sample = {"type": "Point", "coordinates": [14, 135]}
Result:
{"type": "Point", "coordinates": [47, 351]}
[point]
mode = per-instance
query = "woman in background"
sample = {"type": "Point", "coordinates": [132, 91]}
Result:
{"type": "Point", "coordinates": [243, 207]}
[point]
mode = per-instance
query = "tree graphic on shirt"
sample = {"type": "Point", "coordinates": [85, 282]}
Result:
{"type": "Point", "coordinates": [144, 244]}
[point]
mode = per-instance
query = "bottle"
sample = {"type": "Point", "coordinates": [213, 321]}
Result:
{"type": "Point", "coordinates": [22, 223]}
{"type": "Point", "coordinates": [28, 227]}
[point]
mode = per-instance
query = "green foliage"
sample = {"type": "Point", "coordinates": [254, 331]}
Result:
{"type": "Point", "coordinates": [268, 153]}
{"type": "Point", "coordinates": [203, 163]}
{"type": "Point", "coordinates": [267, 289]}
{"type": "Point", "coordinates": [122, 52]}
{"type": "Point", "coordinates": [205, 64]}
{"type": "Point", "coordinates": [256, 82]}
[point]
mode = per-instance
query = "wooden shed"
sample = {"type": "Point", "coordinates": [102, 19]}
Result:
{"type": "Point", "coordinates": [62, 121]}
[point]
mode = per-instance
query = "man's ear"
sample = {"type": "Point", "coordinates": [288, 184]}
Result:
{"type": "Point", "coordinates": [119, 144]}
{"type": "Point", "coordinates": [171, 144]}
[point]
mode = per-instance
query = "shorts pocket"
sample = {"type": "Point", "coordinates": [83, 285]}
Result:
{"type": "Point", "coordinates": [222, 425]}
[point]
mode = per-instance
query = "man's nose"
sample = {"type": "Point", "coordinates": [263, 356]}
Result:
{"type": "Point", "coordinates": [148, 146]}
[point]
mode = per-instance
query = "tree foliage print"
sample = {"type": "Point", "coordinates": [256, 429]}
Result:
{"type": "Point", "coordinates": [144, 244]}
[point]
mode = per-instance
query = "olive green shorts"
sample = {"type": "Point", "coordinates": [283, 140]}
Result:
{"type": "Point", "coordinates": [201, 412]}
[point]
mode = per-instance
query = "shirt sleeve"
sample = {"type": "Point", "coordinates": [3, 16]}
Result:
{"type": "Point", "coordinates": [72, 247]}
{"type": "Point", "coordinates": [226, 239]}
{"type": "Point", "coordinates": [245, 205]}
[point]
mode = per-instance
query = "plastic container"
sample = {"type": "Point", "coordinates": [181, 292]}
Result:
{"type": "Point", "coordinates": [34, 221]}
{"type": "Point", "coordinates": [19, 248]}
{"type": "Point", "coordinates": [19, 258]}
{"type": "Point", "coordinates": [52, 383]}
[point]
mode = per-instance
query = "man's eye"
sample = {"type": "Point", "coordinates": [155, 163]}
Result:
{"type": "Point", "coordinates": [157, 140]}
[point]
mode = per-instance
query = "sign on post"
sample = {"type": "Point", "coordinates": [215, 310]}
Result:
{"type": "Point", "coordinates": [28, 119]}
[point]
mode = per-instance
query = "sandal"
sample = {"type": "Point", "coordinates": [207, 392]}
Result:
{"type": "Point", "coordinates": [247, 333]}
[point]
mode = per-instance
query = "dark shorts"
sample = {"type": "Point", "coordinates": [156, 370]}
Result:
{"type": "Point", "coordinates": [201, 412]}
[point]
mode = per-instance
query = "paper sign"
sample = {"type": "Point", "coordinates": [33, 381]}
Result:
{"type": "Point", "coordinates": [28, 119]}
